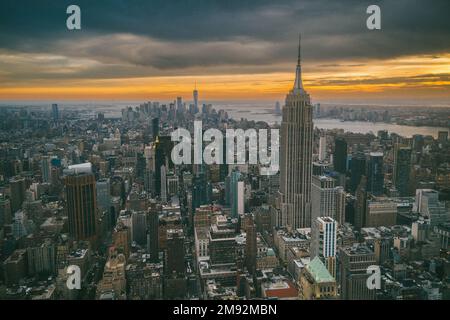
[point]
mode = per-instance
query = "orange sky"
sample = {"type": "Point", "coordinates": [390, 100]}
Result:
{"type": "Point", "coordinates": [409, 77]}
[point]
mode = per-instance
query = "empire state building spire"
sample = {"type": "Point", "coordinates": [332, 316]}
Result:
{"type": "Point", "coordinates": [298, 84]}
{"type": "Point", "coordinates": [294, 199]}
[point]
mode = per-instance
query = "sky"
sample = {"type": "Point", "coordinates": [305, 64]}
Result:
{"type": "Point", "coordinates": [231, 50]}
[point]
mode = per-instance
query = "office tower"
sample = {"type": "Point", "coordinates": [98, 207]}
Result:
{"type": "Point", "coordinates": [18, 188]}
{"type": "Point", "coordinates": [321, 168]}
{"type": "Point", "coordinates": [442, 136]}
{"type": "Point", "coordinates": [341, 203]}
{"type": "Point", "coordinates": [20, 224]}
{"type": "Point", "coordinates": [155, 128]}
{"type": "Point", "coordinates": [326, 199]}
{"type": "Point", "coordinates": [429, 206]}
{"type": "Point", "coordinates": [222, 245]}
{"type": "Point", "coordinates": [358, 169]}
{"type": "Point", "coordinates": [294, 200]}
{"type": "Point", "coordinates": [223, 167]}
{"type": "Point", "coordinates": [402, 169]}
{"type": "Point", "coordinates": [153, 231]}
{"type": "Point", "coordinates": [264, 218]}
{"type": "Point", "coordinates": [354, 262]}
{"type": "Point", "coordinates": [382, 249]}
{"type": "Point", "coordinates": [140, 164]}
{"type": "Point", "coordinates": [322, 147]}
{"type": "Point", "coordinates": [420, 230]}
{"type": "Point", "coordinates": [375, 174]}
{"type": "Point", "coordinates": [139, 227]}
{"type": "Point", "coordinates": [163, 184]}
{"type": "Point", "coordinates": [195, 95]}
{"type": "Point", "coordinates": [149, 184]}
{"type": "Point", "coordinates": [340, 155]}
{"type": "Point", "coordinates": [41, 259]}
{"type": "Point", "coordinates": [144, 280]}
{"type": "Point", "coordinates": [277, 108]}
{"type": "Point", "coordinates": [179, 104]}
{"type": "Point", "coordinates": [159, 161]}
{"type": "Point", "coordinates": [250, 244]}
{"type": "Point", "coordinates": [81, 201]}
{"type": "Point", "coordinates": [236, 194]}
{"type": "Point", "coordinates": [360, 204]}
{"type": "Point", "coordinates": [201, 191]}
{"type": "Point", "coordinates": [15, 267]}
{"type": "Point", "coordinates": [380, 212]}
{"type": "Point", "coordinates": [162, 151]}
{"type": "Point", "coordinates": [418, 142]}
{"type": "Point", "coordinates": [55, 112]}
{"type": "Point", "coordinates": [316, 282]}
{"type": "Point", "coordinates": [323, 242]}
{"type": "Point", "coordinates": [112, 286]}
{"type": "Point", "coordinates": [5, 211]}
{"type": "Point", "coordinates": [175, 252]}
{"type": "Point", "coordinates": [121, 239]}
{"type": "Point", "coordinates": [103, 189]}
{"type": "Point", "coordinates": [45, 168]}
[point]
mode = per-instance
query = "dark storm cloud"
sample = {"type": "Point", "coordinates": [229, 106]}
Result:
{"type": "Point", "coordinates": [410, 80]}
{"type": "Point", "coordinates": [163, 35]}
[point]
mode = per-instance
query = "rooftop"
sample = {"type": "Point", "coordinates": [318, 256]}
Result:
{"type": "Point", "coordinates": [318, 270]}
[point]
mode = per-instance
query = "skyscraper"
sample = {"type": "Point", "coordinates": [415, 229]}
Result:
{"type": "Point", "coordinates": [195, 94]}
{"type": "Point", "coordinates": [375, 174]}
{"type": "Point", "coordinates": [236, 194]}
{"type": "Point", "coordinates": [55, 112]}
{"type": "Point", "coordinates": [361, 204]}
{"type": "Point", "coordinates": [340, 155]}
{"type": "Point", "coordinates": [163, 183]}
{"type": "Point", "coordinates": [18, 188]}
{"type": "Point", "coordinates": [81, 205]}
{"type": "Point", "coordinates": [402, 169]}
{"type": "Point", "coordinates": [45, 168]}
{"type": "Point", "coordinates": [155, 128]}
{"type": "Point", "coordinates": [322, 147]}
{"type": "Point", "coordinates": [250, 245]}
{"type": "Point", "coordinates": [201, 190]}
{"type": "Point", "coordinates": [323, 242]}
{"type": "Point", "coordinates": [358, 169]}
{"type": "Point", "coordinates": [354, 262]}
{"type": "Point", "coordinates": [139, 227]}
{"type": "Point", "coordinates": [175, 252]}
{"type": "Point", "coordinates": [103, 194]}
{"type": "Point", "coordinates": [325, 200]}
{"type": "Point", "coordinates": [442, 136]}
{"type": "Point", "coordinates": [153, 231]}
{"type": "Point", "coordinates": [428, 204]}
{"type": "Point", "coordinates": [296, 155]}
{"type": "Point", "coordinates": [5, 211]}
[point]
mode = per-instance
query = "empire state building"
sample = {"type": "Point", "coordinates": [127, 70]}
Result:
{"type": "Point", "coordinates": [294, 201]}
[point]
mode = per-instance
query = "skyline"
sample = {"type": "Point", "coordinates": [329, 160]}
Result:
{"type": "Point", "coordinates": [240, 51]}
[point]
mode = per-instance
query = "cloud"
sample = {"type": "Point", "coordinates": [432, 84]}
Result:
{"type": "Point", "coordinates": [125, 39]}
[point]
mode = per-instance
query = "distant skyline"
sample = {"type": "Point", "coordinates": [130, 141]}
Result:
{"type": "Point", "coordinates": [233, 50]}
